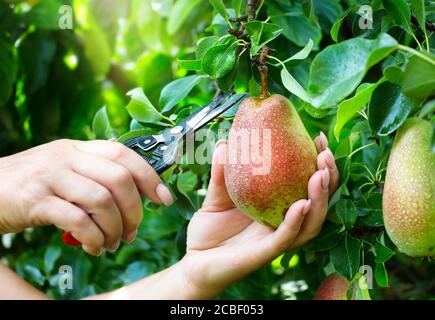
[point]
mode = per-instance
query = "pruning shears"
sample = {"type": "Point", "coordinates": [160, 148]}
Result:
{"type": "Point", "coordinates": [161, 150]}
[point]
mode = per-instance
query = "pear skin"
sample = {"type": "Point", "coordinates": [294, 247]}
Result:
{"type": "Point", "coordinates": [266, 185]}
{"type": "Point", "coordinates": [408, 199]}
{"type": "Point", "coordinates": [333, 287]}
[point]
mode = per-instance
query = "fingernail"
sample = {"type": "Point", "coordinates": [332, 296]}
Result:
{"type": "Point", "coordinates": [324, 140]}
{"type": "Point", "coordinates": [115, 247]}
{"type": "Point", "coordinates": [330, 160]}
{"type": "Point", "coordinates": [307, 207]}
{"type": "Point", "coordinates": [131, 236]}
{"type": "Point", "coordinates": [325, 179]}
{"type": "Point", "coordinates": [164, 195]}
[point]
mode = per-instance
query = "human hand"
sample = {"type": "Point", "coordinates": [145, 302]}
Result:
{"type": "Point", "coordinates": [90, 189]}
{"type": "Point", "coordinates": [224, 244]}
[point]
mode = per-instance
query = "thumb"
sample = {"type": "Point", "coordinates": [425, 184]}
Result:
{"type": "Point", "coordinates": [217, 198]}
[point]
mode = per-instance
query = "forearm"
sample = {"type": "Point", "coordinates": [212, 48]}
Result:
{"type": "Point", "coordinates": [169, 284]}
{"type": "Point", "coordinates": [12, 287]}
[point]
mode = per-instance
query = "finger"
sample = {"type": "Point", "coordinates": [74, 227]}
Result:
{"type": "Point", "coordinates": [146, 179]}
{"type": "Point", "coordinates": [321, 142]}
{"type": "Point", "coordinates": [288, 230]}
{"type": "Point", "coordinates": [119, 181]}
{"type": "Point", "coordinates": [326, 160]}
{"type": "Point", "coordinates": [318, 190]}
{"type": "Point", "coordinates": [217, 198]}
{"type": "Point", "coordinates": [94, 199]}
{"type": "Point", "coordinates": [73, 219]}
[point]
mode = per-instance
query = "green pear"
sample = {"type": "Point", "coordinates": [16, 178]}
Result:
{"type": "Point", "coordinates": [333, 287]}
{"type": "Point", "coordinates": [271, 159]}
{"type": "Point", "coordinates": [408, 199]}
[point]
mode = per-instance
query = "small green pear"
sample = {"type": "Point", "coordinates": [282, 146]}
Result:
{"type": "Point", "coordinates": [264, 183]}
{"type": "Point", "coordinates": [333, 287]}
{"type": "Point", "coordinates": [409, 191]}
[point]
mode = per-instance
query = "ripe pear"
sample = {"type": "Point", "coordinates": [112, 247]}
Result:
{"type": "Point", "coordinates": [408, 198]}
{"type": "Point", "coordinates": [333, 287]}
{"type": "Point", "coordinates": [281, 159]}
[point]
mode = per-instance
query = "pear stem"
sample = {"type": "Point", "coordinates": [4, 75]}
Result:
{"type": "Point", "coordinates": [262, 68]}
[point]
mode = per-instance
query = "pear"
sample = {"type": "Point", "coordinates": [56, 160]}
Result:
{"type": "Point", "coordinates": [333, 287]}
{"type": "Point", "coordinates": [408, 199]}
{"type": "Point", "coordinates": [271, 157]}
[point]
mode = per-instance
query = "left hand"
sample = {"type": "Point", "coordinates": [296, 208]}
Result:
{"type": "Point", "coordinates": [224, 244]}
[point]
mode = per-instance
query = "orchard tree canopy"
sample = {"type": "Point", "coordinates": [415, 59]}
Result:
{"type": "Point", "coordinates": [355, 70]}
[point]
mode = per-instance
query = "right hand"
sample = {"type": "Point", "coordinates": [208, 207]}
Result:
{"type": "Point", "coordinates": [90, 189]}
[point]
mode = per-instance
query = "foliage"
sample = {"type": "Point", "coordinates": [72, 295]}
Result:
{"type": "Point", "coordinates": [152, 62]}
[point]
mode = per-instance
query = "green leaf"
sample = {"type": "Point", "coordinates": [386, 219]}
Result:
{"type": "Point", "coordinates": [381, 275]}
{"type": "Point", "coordinates": [337, 25]}
{"type": "Point", "coordinates": [179, 13]}
{"type": "Point", "coordinates": [136, 271]}
{"type": "Point", "coordinates": [419, 10]}
{"type": "Point", "coordinates": [8, 71]}
{"type": "Point", "coordinates": [328, 238]}
{"type": "Point", "coordinates": [382, 253]}
{"type": "Point", "coordinates": [296, 26]}
{"type": "Point", "coordinates": [419, 81]}
{"type": "Point", "coordinates": [101, 125]}
{"type": "Point", "coordinates": [346, 256]}
{"type": "Point", "coordinates": [220, 8]}
{"type": "Point", "coordinates": [346, 212]}
{"type": "Point", "coordinates": [190, 65]}
{"type": "Point", "coordinates": [399, 11]}
{"type": "Point", "coordinates": [176, 91]}
{"type": "Point", "coordinates": [327, 12]}
{"type": "Point", "coordinates": [45, 14]}
{"type": "Point", "coordinates": [97, 49]}
{"type": "Point", "coordinates": [238, 6]}
{"type": "Point", "coordinates": [34, 274]}
{"type": "Point", "coordinates": [219, 60]}
{"type": "Point", "coordinates": [300, 55]}
{"type": "Point", "coordinates": [293, 86]}
{"type": "Point", "coordinates": [388, 108]}
{"type": "Point", "coordinates": [339, 69]}
{"type": "Point", "coordinates": [350, 107]}
{"type": "Point", "coordinates": [140, 107]}
{"type": "Point", "coordinates": [187, 181]}
{"type": "Point", "coordinates": [51, 255]}
{"type": "Point", "coordinates": [36, 53]}
{"type": "Point", "coordinates": [204, 45]}
{"type": "Point", "coordinates": [260, 34]}
{"type": "Point", "coordinates": [254, 87]}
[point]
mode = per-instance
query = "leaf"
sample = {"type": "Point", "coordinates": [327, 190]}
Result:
{"type": "Point", "coordinates": [219, 60]}
{"type": "Point", "coordinates": [381, 275]}
{"type": "Point", "coordinates": [176, 91]}
{"type": "Point", "coordinates": [293, 86]}
{"type": "Point", "coordinates": [296, 26]}
{"type": "Point", "coordinates": [419, 10]}
{"type": "Point", "coordinates": [346, 256]}
{"type": "Point", "coordinates": [187, 181]}
{"type": "Point", "coordinates": [350, 107]}
{"type": "Point", "coordinates": [338, 23]}
{"type": "Point", "coordinates": [261, 33]}
{"type": "Point", "coordinates": [338, 70]}
{"type": "Point", "coordinates": [328, 238]}
{"type": "Point", "coordinates": [34, 274]}
{"type": "Point", "coordinates": [419, 81]}
{"type": "Point", "coordinates": [388, 108]}
{"type": "Point", "coordinates": [140, 107]}
{"type": "Point", "coordinates": [8, 71]}
{"type": "Point", "coordinates": [346, 212]}
{"type": "Point", "coordinates": [36, 53]}
{"type": "Point", "coordinates": [51, 255]}
{"type": "Point", "coordinates": [328, 12]}
{"type": "Point", "coordinates": [300, 55]}
{"type": "Point", "coordinates": [182, 202]}
{"type": "Point", "coordinates": [179, 13]}
{"type": "Point", "coordinates": [237, 6]}
{"type": "Point", "coordinates": [97, 49]}
{"type": "Point", "coordinates": [220, 8]}
{"type": "Point", "coordinates": [45, 14]}
{"type": "Point", "coordinates": [204, 45]}
{"type": "Point", "coordinates": [101, 125]}
{"type": "Point", "coordinates": [254, 87]}
{"type": "Point", "coordinates": [190, 65]}
{"type": "Point", "coordinates": [399, 11]}
{"type": "Point", "coordinates": [382, 253]}
{"type": "Point", "coordinates": [136, 271]}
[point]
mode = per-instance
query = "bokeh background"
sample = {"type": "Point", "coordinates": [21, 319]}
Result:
{"type": "Point", "coordinates": [55, 81]}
